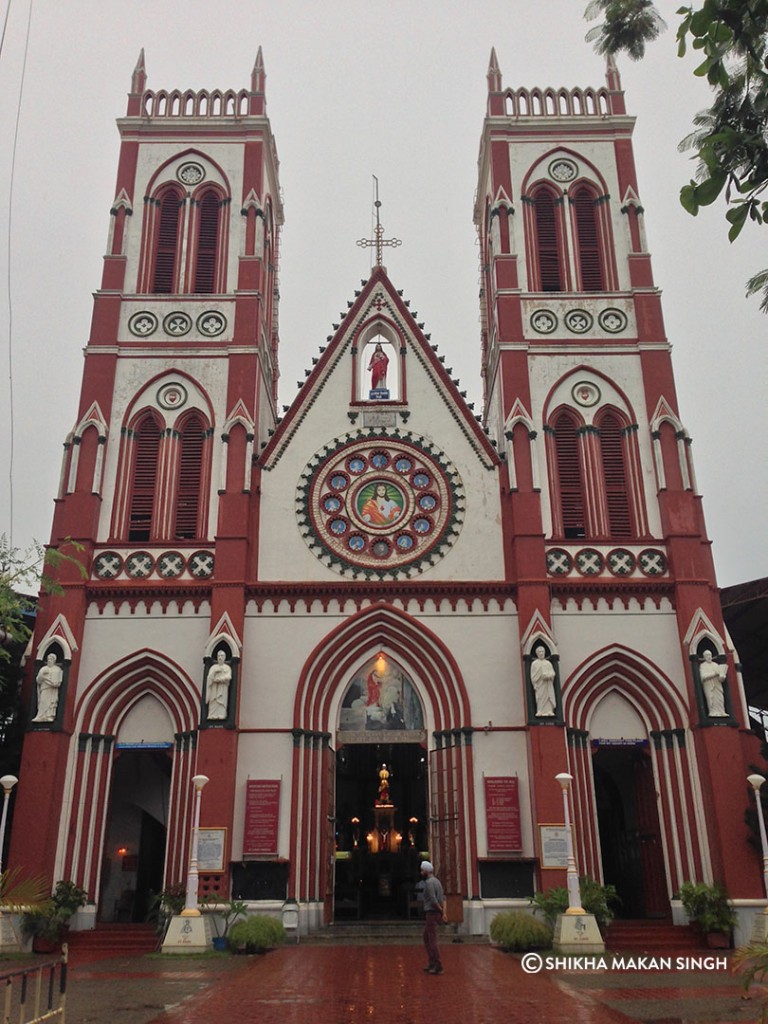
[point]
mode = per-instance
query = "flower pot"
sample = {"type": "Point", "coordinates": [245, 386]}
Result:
{"type": "Point", "coordinates": [220, 943]}
{"type": "Point", "coordinates": [718, 940]}
{"type": "Point", "coordinates": [42, 944]}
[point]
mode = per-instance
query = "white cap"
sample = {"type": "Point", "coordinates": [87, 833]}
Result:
{"type": "Point", "coordinates": [426, 866]}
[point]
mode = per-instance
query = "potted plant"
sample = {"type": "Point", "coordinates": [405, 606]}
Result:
{"type": "Point", "coordinates": [20, 896]}
{"type": "Point", "coordinates": [46, 925]}
{"type": "Point", "coordinates": [225, 913]}
{"type": "Point", "coordinates": [708, 906]}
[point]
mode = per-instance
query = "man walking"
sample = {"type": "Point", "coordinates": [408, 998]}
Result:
{"type": "Point", "coordinates": [434, 913]}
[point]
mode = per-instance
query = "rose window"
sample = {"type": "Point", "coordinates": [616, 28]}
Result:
{"type": "Point", "coordinates": [381, 505]}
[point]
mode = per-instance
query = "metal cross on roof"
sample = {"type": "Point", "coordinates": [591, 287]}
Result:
{"type": "Point", "coordinates": [379, 241]}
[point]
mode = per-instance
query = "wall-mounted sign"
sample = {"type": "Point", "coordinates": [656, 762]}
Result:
{"type": "Point", "coordinates": [211, 844]}
{"type": "Point", "coordinates": [502, 815]}
{"type": "Point", "coordinates": [553, 843]}
{"type": "Point", "coordinates": [262, 817]}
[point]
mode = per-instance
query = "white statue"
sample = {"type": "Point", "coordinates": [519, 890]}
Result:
{"type": "Point", "coordinates": [712, 676]}
{"type": "Point", "coordinates": [217, 688]}
{"type": "Point", "coordinates": [543, 681]}
{"type": "Point", "coordinates": [49, 680]}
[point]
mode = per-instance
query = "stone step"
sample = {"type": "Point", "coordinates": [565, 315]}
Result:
{"type": "Point", "coordinates": [652, 935]}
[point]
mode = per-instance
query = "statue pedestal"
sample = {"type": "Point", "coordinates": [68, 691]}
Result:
{"type": "Point", "coordinates": [759, 928]}
{"type": "Point", "coordinates": [188, 934]}
{"type": "Point", "coordinates": [577, 934]}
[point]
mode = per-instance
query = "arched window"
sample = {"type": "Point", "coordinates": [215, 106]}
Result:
{"type": "Point", "coordinates": [589, 256]}
{"type": "Point", "coordinates": [207, 244]}
{"type": "Point", "coordinates": [569, 476]}
{"type": "Point", "coordinates": [548, 247]}
{"type": "Point", "coordinates": [143, 489]}
{"type": "Point", "coordinates": [187, 518]}
{"type": "Point", "coordinates": [615, 477]}
{"type": "Point", "coordinates": [167, 244]}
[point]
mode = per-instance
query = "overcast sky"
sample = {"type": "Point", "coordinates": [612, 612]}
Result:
{"type": "Point", "coordinates": [395, 89]}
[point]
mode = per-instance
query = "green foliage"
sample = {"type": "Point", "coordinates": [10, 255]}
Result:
{"type": "Point", "coordinates": [256, 933]}
{"type": "Point", "coordinates": [49, 920]}
{"type": "Point", "coordinates": [751, 962]}
{"type": "Point", "coordinates": [17, 893]}
{"type": "Point", "coordinates": [519, 931]}
{"type": "Point", "coordinates": [730, 139]}
{"type": "Point", "coordinates": [226, 912]}
{"type": "Point", "coordinates": [595, 899]}
{"type": "Point", "coordinates": [708, 906]}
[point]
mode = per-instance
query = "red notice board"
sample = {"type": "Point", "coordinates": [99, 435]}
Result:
{"type": "Point", "coordinates": [502, 815]}
{"type": "Point", "coordinates": [262, 816]}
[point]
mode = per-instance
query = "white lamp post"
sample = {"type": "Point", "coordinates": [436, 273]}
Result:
{"type": "Point", "coordinates": [572, 875]}
{"type": "Point", "coordinates": [190, 904]}
{"type": "Point", "coordinates": [7, 782]}
{"type": "Point", "coordinates": [756, 782]}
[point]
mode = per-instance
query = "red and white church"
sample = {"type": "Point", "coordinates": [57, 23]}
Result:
{"type": "Point", "coordinates": [380, 624]}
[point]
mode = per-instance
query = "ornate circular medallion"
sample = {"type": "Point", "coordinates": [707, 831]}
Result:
{"type": "Point", "coordinates": [543, 321]}
{"type": "Point", "coordinates": [172, 396]}
{"type": "Point", "coordinates": [562, 169]}
{"type": "Point", "coordinates": [211, 324]}
{"type": "Point", "coordinates": [585, 393]}
{"type": "Point", "coordinates": [578, 320]}
{"type": "Point", "coordinates": [589, 562]}
{"type": "Point", "coordinates": [380, 505]}
{"type": "Point", "coordinates": [620, 562]}
{"type": "Point", "coordinates": [170, 565]}
{"type": "Point", "coordinates": [139, 565]}
{"type": "Point", "coordinates": [612, 320]}
{"type": "Point", "coordinates": [108, 565]}
{"type": "Point", "coordinates": [177, 324]}
{"type": "Point", "coordinates": [652, 562]}
{"type": "Point", "coordinates": [200, 564]}
{"type": "Point", "coordinates": [143, 324]}
{"type": "Point", "coordinates": [190, 174]}
{"type": "Point", "coordinates": [559, 562]}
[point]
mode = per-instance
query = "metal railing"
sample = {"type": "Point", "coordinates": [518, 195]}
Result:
{"type": "Point", "coordinates": [39, 991]}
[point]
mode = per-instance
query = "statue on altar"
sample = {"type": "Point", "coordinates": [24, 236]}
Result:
{"type": "Point", "coordinates": [383, 785]}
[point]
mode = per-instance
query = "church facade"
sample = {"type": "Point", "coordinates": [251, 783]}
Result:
{"type": "Point", "coordinates": [379, 624]}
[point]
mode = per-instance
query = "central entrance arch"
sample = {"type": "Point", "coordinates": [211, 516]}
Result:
{"type": "Point", "coordinates": [329, 716]}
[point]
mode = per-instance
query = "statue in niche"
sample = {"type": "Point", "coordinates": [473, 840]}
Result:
{"type": "Point", "coordinates": [378, 367]}
{"type": "Point", "coordinates": [217, 687]}
{"type": "Point", "coordinates": [712, 676]}
{"type": "Point", "coordinates": [543, 682]}
{"type": "Point", "coordinates": [49, 680]}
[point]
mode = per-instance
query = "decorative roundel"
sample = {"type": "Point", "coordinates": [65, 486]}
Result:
{"type": "Point", "coordinates": [585, 393]}
{"type": "Point", "coordinates": [108, 565]}
{"type": "Point", "coordinates": [589, 562]}
{"type": "Point", "coordinates": [380, 505]}
{"type": "Point", "coordinates": [142, 324]}
{"type": "Point", "coordinates": [190, 173]}
{"type": "Point", "coordinates": [211, 324]}
{"type": "Point", "coordinates": [543, 321]}
{"type": "Point", "coordinates": [559, 562]}
{"type": "Point", "coordinates": [612, 320]}
{"type": "Point", "coordinates": [177, 324]}
{"type": "Point", "coordinates": [578, 321]}
{"type": "Point", "coordinates": [200, 564]}
{"type": "Point", "coordinates": [139, 565]}
{"type": "Point", "coordinates": [652, 562]}
{"type": "Point", "coordinates": [563, 170]}
{"type": "Point", "coordinates": [170, 565]}
{"type": "Point", "coordinates": [620, 562]}
{"type": "Point", "coordinates": [172, 396]}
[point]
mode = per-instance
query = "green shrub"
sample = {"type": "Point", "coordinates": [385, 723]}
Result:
{"type": "Point", "coordinates": [708, 905]}
{"type": "Point", "coordinates": [517, 930]}
{"type": "Point", "coordinates": [595, 899]}
{"type": "Point", "coordinates": [256, 933]}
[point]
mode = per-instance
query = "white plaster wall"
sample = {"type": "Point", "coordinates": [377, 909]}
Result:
{"type": "Point", "coordinates": [476, 554]}
{"type": "Point", "coordinates": [503, 754]}
{"type": "Point", "coordinates": [264, 756]}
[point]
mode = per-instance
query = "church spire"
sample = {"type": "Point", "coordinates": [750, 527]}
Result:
{"type": "Point", "coordinates": [495, 99]}
{"type": "Point", "coordinates": [613, 81]}
{"type": "Point", "coordinates": [138, 85]}
{"type": "Point", "coordinates": [258, 104]}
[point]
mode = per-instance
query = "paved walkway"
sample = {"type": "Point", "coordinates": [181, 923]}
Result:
{"type": "Point", "coordinates": [312, 984]}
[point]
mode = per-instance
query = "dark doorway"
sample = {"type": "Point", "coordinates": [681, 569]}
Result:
{"type": "Point", "coordinates": [630, 837]}
{"type": "Point", "coordinates": [380, 833]}
{"type": "Point", "coordinates": [134, 851]}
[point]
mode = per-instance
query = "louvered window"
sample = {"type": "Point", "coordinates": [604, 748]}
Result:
{"type": "Point", "coordinates": [547, 238]}
{"type": "Point", "coordinates": [569, 477]}
{"type": "Point", "coordinates": [166, 251]}
{"type": "Point", "coordinates": [188, 492]}
{"type": "Point", "coordinates": [207, 245]}
{"type": "Point", "coordinates": [615, 477]}
{"type": "Point", "coordinates": [142, 506]}
{"type": "Point", "coordinates": [588, 240]}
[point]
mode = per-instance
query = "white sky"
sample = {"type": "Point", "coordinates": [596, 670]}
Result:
{"type": "Point", "coordinates": [396, 89]}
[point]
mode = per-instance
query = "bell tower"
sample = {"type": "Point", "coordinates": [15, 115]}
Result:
{"type": "Point", "coordinates": [580, 395]}
{"type": "Point", "coordinates": [179, 391]}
